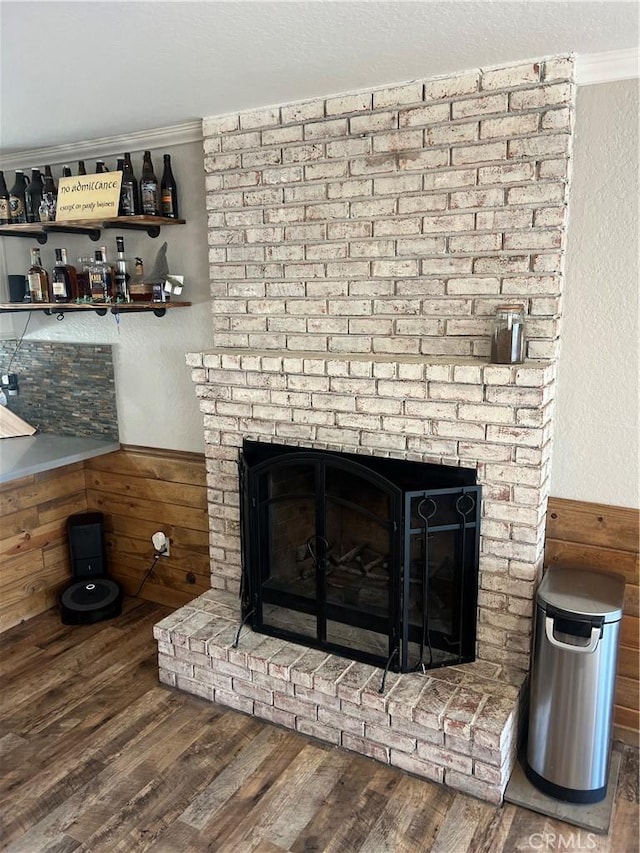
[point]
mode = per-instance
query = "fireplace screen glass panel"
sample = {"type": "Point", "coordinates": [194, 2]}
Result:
{"type": "Point", "coordinates": [339, 556]}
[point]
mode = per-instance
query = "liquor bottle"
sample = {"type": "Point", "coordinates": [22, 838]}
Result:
{"type": "Point", "coordinates": [66, 171]}
{"type": "Point", "coordinates": [139, 289]}
{"type": "Point", "coordinates": [5, 210]}
{"type": "Point", "coordinates": [64, 286]}
{"type": "Point", "coordinates": [38, 279]}
{"type": "Point", "coordinates": [100, 167]}
{"type": "Point", "coordinates": [81, 168]}
{"type": "Point", "coordinates": [100, 278]}
{"type": "Point", "coordinates": [17, 199]}
{"type": "Point", "coordinates": [149, 188]}
{"type": "Point", "coordinates": [129, 200]}
{"type": "Point", "coordinates": [169, 190]}
{"type": "Point", "coordinates": [33, 196]}
{"type": "Point", "coordinates": [82, 278]}
{"type": "Point", "coordinates": [49, 195]}
{"type": "Point", "coordinates": [121, 278]}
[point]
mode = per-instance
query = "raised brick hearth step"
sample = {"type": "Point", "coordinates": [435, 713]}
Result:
{"type": "Point", "coordinates": [457, 725]}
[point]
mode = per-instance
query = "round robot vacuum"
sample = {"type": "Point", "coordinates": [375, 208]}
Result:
{"type": "Point", "coordinates": [90, 600]}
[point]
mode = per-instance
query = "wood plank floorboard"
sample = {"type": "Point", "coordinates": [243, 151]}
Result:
{"type": "Point", "coordinates": [96, 756]}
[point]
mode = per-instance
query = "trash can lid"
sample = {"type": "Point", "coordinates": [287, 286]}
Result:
{"type": "Point", "coordinates": [583, 592]}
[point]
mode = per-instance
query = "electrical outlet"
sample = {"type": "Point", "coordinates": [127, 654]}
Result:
{"type": "Point", "coordinates": [161, 543]}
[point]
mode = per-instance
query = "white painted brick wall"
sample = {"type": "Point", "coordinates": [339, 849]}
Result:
{"type": "Point", "coordinates": [433, 188]}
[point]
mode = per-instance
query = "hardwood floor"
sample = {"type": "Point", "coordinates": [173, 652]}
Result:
{"type": "Point", "coordinates": [96, 755]}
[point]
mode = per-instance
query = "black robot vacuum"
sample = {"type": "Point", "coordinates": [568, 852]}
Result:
{"type": "Point", "coordinates": [92, 596]}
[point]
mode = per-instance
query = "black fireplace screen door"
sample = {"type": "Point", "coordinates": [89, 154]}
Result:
{"type": "Point", "coordinates": [338, 556]}
{"type": "Point", "coordinates": [323, 535]}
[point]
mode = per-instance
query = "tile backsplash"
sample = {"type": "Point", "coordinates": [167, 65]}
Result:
{"type": "Point", "coordinates": [64, 388]}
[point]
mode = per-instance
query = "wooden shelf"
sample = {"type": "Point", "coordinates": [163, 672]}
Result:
{"type": "Point", "coordinates": [90, 227]}
{"type": "Point", "coordinates": [100, 308]}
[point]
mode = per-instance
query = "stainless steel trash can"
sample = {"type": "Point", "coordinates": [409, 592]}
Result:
{"type": "Point", "coordinates": [577, 622]}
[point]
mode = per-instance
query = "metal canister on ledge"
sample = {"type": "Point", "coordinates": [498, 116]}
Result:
{"type": "Point", "coordinates": [507, 336]}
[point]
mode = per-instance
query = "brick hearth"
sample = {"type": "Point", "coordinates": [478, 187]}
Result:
{"type": "Point", "coordinates": [359, 245]}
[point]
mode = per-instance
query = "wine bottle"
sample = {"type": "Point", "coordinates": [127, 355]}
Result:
{"type": "Point", "coordinates": [81, 168]}
{"type": "Point", "coordinates": [129, 201]}
{"type": "Point", "coordinates": [169, 190]}
{"type": "Point", "coordinates": [17, 199]}
{"type": "Point", "coordinates": [49, 195]}
{"type": "Point", "coordinates": [38, 279]}
{"type": "Point", "coordinates": [66, 171]}
{"type": "Point", "coordinates": [149, 188]}
{"type": "Point", "coordinates": [121, 278]}
{"type": "Point", "coordinates": [64, 287]}
{"type": "Point", "coordinates": [5, 210]}
{"type": "Point", "coordinates": [33, 196]}
{"type": "Point", "coordinates": [100, 167]}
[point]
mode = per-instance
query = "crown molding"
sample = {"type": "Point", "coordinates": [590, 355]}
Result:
{"type": "Point", "coordinates": [107, 146]}
{"type": "Point", "coordinates": [606, 67]}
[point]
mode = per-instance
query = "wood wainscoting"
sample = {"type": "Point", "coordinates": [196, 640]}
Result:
{"type": "Point", "coordinates": [143, 490]}
{"type": "Point", "coordinates": [34, 555]}
{"type": "Point", "coordinates": [605, 538]}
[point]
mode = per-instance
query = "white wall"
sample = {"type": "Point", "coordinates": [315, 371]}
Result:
{"type": "Point", "coordinates": [596, 437]}
{"type": "Point", "coordinates": [155, 397]}
{"type": "Point", "coordinates": [596, 449]}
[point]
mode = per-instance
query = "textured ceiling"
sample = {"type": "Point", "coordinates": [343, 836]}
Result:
{"type": "Point", "coordinates": [72, 71]}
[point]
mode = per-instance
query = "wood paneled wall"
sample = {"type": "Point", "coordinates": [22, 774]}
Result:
{"type": "Point", "coordinates": [141, 491]}
{"type": "Point", "coordinates": [34, 556]}
{"type": "Point", "coordinates": [605, 538]}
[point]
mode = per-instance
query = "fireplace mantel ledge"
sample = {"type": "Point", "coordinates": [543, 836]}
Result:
{"type": "Point", "coordinates": [240, 357]}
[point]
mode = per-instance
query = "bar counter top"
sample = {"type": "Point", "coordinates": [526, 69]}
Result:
{"type": "Point", "coordinates": [33, 454]}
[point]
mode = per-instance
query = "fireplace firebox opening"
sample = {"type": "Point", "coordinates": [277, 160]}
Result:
{"type": "Point", "coordinates": [371, 558]}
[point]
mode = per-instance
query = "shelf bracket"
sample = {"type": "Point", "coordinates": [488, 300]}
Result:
{"type": "Point", "coordinates": [92, 233]}
{"type": "Point", "coordinates": [152, 230]}
{"type": "Point", "coordinates": [39, 236]}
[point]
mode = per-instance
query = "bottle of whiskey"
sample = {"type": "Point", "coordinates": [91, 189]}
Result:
{"type": "Point", "coordinates": [38, 279]}
{"type": "Point", "coordinates": [17, 199]}
{"type": "Point", "coordinates": [5, 212]}
{"type": "Point", "coordinates": [149, 188]}
{"type": "Point", "coordinates": [169, 190]}
{"type": "Point", "coordinates": [64, 285]}
{"type": "Point", "coordinates": [100, 278]}
{"type": "Point", "coordinates": [139, 289]}
{"type": "Point", "coordinates": [121, 277]}
{"type": "Point", "coordinates": [33, 196]}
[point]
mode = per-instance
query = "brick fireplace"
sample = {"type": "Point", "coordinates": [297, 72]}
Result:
{"type": "Point", "coordinates": [359, 246]}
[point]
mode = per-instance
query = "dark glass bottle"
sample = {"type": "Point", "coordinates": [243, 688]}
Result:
{"type": "Point", "coordinates": [17, 199]}
{"type": "Point", "coordinates": [149, 188]}
{"type": "Point", "coordinates": [101, 167]}
{"type": "Point", "coordinates": [82, 170]}
{"type": "Point", "coordinates": [64, 287]}
{"type": "Point", "coordinates": [5, 210]}
{"type": "Point", "coordinates": [49, 196]}
{"type": "Point", "coordinates": [129, 200]}
{"type": "Point", "coordinates": [38, 280]}
{"type": "Point", "coordinates": [121, 276]}
{"type": "Point", "coordinates": [33, 196]}
{"type": "Point", "coordinates": [169, 190]}
{"type": "Point", "coordinates": [66, 171]}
